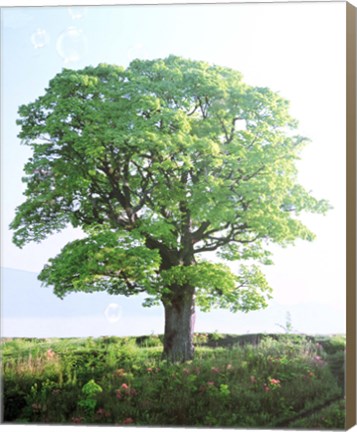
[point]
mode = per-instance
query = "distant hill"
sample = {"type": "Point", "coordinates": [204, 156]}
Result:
{"type": "Point", "coordinates": [29, 310]}
{"type": "Point", "coordinates": [23, 296]}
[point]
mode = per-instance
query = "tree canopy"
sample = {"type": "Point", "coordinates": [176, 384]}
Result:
{"type": "Point", "coordinates": [160, 163]}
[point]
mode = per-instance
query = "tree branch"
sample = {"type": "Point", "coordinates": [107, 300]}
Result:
{"type": "Point", "coordinates": [222, 241]}
{"type": "Point", "coordinates": [198, 234]}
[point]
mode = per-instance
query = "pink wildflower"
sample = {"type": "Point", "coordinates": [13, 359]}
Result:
{"type": "Point", "coordinates": [128, 391]}
{"type": "Point", "coordinates": [149, 369]}
{"type": "Point", "coordinates": [128, 420]}
{"type": "Point", "coordinates": [50, 354]}
{"type": "Point", "coordinates": [274, 381]}
{"type": "Point", "coordinates": [102, 412]}
{"type": "Point", "coordinates": [77, 420]}
{"type": "Point", "coordinates": [266, 388]}
{"type": "Point", "coordinates": [318, 360]}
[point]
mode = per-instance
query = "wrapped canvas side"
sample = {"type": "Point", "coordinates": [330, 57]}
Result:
{"type": "Point", "coordinates": [351, 216]}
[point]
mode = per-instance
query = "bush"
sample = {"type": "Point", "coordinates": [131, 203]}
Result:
{"type": "Point", "coordinates": [253, 385]}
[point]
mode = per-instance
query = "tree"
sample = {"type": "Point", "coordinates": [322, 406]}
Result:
{"type": "Point", "coordinates": [159, 164]}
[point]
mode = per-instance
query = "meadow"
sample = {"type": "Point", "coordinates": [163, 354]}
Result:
{"type": "Point", "coordinates": [249, 381]}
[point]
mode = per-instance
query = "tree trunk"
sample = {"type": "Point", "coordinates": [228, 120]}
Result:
{"type": "Point", "coordinates": [179, 325]}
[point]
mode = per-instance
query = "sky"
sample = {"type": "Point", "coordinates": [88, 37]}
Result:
{"type": "Point", "coordinates": [273, 45]}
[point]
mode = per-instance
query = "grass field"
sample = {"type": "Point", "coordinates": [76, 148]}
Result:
{"type": "Point", "coordinates": [283, 381]}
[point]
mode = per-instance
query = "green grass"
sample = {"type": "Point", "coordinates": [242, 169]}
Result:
{"type": "Point", "coordinates": [234, 381]}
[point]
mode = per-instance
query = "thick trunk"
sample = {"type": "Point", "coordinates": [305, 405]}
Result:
{"type": "Point", "coordinates": [179, 325]}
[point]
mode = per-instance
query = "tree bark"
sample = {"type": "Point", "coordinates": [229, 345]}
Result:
{"type": "Point", "coordinates": [179, 324]}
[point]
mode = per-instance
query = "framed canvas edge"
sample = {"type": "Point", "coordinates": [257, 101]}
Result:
{"type": "Point", "coordinates": [350, 378]}
{"type": "Point", "coordinates": [351, 202]}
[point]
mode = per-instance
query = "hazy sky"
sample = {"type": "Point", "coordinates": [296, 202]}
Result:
{"type": "Point", "coordinates": [296, 49]}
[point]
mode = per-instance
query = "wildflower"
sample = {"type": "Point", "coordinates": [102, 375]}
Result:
{"type": "Point", "coordinates": [102, 412]}
{"type": "Point", "coordinates": [215, 370]}
{"type": "Point", "coordinates": [120, 372]}
{"type": "Point", "coordinates": [318, 360]}
{"type": "Point", "coordinates": [149, 369]}
{"type": "Point", "coordinates": [274, 381]}
{"type": "Point", "coordinates": [128, 420]}
{"type": "Point", "coordinates": [77, 420]}
{"type": "Point", "coordinates": [128, 391]}
{"type": "Point", "coordinates": [253, 380]}
{"type": "Point", "coordinates": [229, 366]}
{"type": "Point", "coordinates": [266, 388]}
{"type": "Point", "coordinates": [50, 354]}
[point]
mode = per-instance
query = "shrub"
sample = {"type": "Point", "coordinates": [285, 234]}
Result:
{"type": "Point", "coordinates": [95, 382]}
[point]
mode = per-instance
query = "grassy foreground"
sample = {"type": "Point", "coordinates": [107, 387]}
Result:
{"type": "Point", "coordinates": [284, 381]}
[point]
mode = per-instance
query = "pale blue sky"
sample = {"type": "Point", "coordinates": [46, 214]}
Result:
{"type": "Point", "coordinates": [274, 45]}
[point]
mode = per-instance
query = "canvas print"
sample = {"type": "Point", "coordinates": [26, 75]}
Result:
{"type": "Point", "coordinates": [174, 215]}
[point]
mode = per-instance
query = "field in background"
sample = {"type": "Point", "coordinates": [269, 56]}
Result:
{"type": "Point", "coordinates": [285, 380]}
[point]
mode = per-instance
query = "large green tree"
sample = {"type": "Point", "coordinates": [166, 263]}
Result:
{"type": "Point", "coordinates": [160, 163]}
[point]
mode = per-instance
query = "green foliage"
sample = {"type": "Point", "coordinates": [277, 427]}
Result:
{"type": "Point", "coordinates": [286, 381]}
{"type": "Point", "coordinates": [334, 344]}
{"type": "Point", "coordinates": [90, 389]}
{"type": "Point", "coordinates": [217, 286]}
{"type": "Point", "coordinates": [331, 417]}
{"type": "Point", "coordinates": [158, 164]}
{"type": "Point", "coordinates": [200, 339]}
{"type": "Point", "coordinates": [149, 341]}
{"type": "Point", "coordinates": [216, 336]}
{"type": "Point", "coordinates": [88, 401]}
{"type": "Point", "coordinates": [109, 261]}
